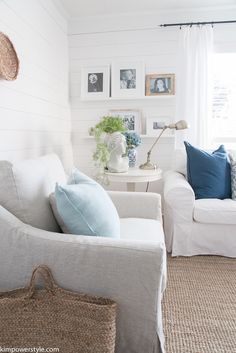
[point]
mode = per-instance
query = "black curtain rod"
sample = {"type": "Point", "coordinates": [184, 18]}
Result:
{"type": "Point", "coordinates": [195, 23]}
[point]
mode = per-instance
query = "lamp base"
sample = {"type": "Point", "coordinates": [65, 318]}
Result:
{"type": "Point", "coordinates": [148, 166]}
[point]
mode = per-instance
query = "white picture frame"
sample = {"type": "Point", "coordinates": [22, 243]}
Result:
{"type": "Point", "coordinates": [95, 82]}
{"type": "Point", "coordinates": [127, 80]}
{"type": "Point", "coordinates": [154, 124]}
{"type": "Point", "coordinates": [131, 118]}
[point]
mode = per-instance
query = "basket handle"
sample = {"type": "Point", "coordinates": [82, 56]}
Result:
{"type": "Point", "coordinates": [45, 272]}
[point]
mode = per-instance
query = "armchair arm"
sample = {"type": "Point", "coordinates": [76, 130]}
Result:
{"type": "Point", "coordinates": [131, 273]}
{"type": "Point", "coordinates": [137, 204]}
{"type": "Point", "coordinates": [179, 202]}
{"type": "Point", "coordinates": [179, 196]}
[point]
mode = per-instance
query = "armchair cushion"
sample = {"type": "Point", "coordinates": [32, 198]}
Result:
{"type": "Point", "coordinates": [142, 229]}
{"type": "Point", "coordinates": [208, 173]}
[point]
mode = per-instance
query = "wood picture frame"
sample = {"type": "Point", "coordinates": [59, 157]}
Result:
{"type": "Point", "coordinates": [160, 84]}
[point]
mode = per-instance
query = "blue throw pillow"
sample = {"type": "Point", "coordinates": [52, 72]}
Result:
{"type": "Point", "coordinates": [86, 208]}
{"type": "Point", "coordinates": [208, 173]}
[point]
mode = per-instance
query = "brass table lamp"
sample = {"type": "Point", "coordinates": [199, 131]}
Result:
{"type": "Point", "coordinates": [180, 125]}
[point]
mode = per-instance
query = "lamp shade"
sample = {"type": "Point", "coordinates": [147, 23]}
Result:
{"type": "Point", "coordinates": [180, 125]}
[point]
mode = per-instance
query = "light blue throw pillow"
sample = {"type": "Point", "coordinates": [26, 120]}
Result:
{"type": "Point", "coordinates": [86, 208]}
{"type": "Point", "coordinates": [208, 173]}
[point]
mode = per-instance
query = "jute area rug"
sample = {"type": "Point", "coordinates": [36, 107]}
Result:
{"type": "Point", "coordinates": [199, 306]}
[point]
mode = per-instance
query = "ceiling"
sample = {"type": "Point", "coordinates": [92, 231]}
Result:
{"type": "Point", "coordinates": [79, 8]}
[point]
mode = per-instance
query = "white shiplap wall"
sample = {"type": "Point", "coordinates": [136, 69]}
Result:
{"type": "Point", "coordinates": [34, 109]}
{"type": "Point", "coordinates": [102, 40]}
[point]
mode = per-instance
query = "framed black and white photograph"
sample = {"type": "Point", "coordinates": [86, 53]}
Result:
{"type": "Point", "coordinates": [154, 125]}
{"type": "Point", "coordinates": [127, 79]}
{"type": "Point", "coordinates": [131, 118]}
{"type": "Point", "coordinates": [95, 82]}
{"type": "Point", "coordinates": [160, 84]}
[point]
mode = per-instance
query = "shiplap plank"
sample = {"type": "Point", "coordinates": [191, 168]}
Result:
{"type": "Point", "coordinates": [10, 119]}
{"type": "Point", "coordinates": [114, 38]}
{"type": "Point", "coordinates": [10, 98]}
{"type": "Point", "coordinates": [162, 61]}
{"type": "Point", "coordinates": [31, 139]}
{"type": "Point", "coordinates": [130, 49]}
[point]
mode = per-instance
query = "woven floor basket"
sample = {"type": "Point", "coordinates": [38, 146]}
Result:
{"type": "Point", "coordinates": [9, 63]}
{"type": "Point", "coordinates": [54, 317]}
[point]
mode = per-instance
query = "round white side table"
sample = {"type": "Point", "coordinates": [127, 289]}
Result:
{"type": "Point", "coordinates": [135, 175]}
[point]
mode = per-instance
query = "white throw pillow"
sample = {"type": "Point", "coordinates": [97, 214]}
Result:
{"type": "Point", "coordinates": [25, 188]}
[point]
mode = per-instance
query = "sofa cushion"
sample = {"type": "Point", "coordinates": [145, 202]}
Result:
{"type": "Point", "coordinates": [208, 173]}
{"type": "Point", "coordinates": [141, 229]}
{"type": "Point", "coordinates": [86, 208]}
{"type": "Point", "coordinates": [25, 188]}
{"type": "Point", "coordinates": [215, 211]}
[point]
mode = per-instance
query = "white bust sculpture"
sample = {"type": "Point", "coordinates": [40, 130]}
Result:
{"type": "Point", "coordinates": [117, 147]}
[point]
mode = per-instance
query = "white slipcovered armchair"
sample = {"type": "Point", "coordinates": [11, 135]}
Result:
{"type": "Point", "coordinates": [196, 227]}
{"type": "Point", "coordinates": [130, 270]}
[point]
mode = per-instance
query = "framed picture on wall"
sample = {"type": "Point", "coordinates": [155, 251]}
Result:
{"type": "Point", "coordinates": [131, 118]}
{"type": "Point", "coordinates": [160, 84]}
{"type": "Point", "coordinates": [154, 125]}
{"type": "Point", "coordinates": [127, 79]}
{"type": "Point", "coordinates": [95, 82]}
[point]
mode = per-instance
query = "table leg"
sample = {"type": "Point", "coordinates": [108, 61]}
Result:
{"type": "Point", "coordinates": [130, 186]}
{"type": "Point", "coordinates": [147, 186]}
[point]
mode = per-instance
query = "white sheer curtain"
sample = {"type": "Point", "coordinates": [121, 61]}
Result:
{"type": "Point", "coordinates": [193, 84]}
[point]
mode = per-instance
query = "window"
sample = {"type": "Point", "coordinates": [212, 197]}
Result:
{"type": "Point", "coordinates": [223, 121]}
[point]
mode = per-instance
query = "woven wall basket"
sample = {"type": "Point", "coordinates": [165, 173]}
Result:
{"type": "Point", "coordinates": [9, 63]}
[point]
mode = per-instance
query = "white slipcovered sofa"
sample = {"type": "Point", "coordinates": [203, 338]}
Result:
{"type": "Point", "coordinates": [196, 227]}
{"type": "Point", "coordinates": [131, 270]}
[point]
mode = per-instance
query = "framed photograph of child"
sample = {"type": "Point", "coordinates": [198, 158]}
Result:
{"type": "Point", "coordinates": [127, 80]}
{"type": "Point", "coordinates": [131, 118]}
{"type": "Point", "coordinates": [160, 84]}
{"type": "Point", "coordinates": [95, 82]}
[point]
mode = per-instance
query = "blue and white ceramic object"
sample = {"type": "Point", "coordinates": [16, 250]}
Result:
{"type": "Point", "coordinates": [132, 155]}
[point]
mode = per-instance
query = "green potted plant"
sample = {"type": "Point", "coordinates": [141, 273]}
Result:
{"type": "Point", "coordinates": [107, 125]}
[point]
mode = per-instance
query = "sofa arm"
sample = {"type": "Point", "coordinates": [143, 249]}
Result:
{"type": "Point", "coordinates": [179, 202]}
{"type": "Point", "coordinates": [131, 273]}
{"type": "Point", "coordinates": [179, 196]}
{"type": "Point", "coordinates": [137, 204]}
